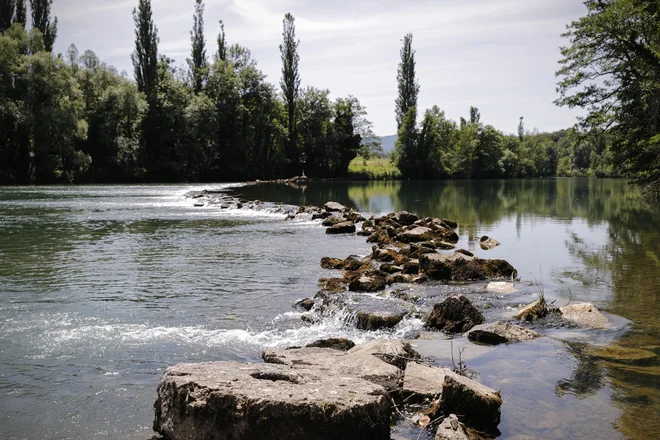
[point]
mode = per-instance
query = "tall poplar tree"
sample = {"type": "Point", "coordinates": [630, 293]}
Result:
{"type": "Point", "coordinates": [222, 43]}
{"type": "Point", "coordinates": [198, 65]}
{"type": "Point", "coordinates": [406, 111]}
{"type": "Point", "coordinates": [408, 85]}
{"type": "Point", "coordinates": [20, 15]}
{"type": "Point", "coordinates": [290, 84]}
{"type": "Point", "coordinates": [41, 20]}
{"type": "Point", "coordinates": [145, 56]}
{"type": "Point", "coordinates": [7, 8]}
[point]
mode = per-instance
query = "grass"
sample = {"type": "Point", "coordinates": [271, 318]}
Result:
{"type": "Point", "coordinates": [373, 169]}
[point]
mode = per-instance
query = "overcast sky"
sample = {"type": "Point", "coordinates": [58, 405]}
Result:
{"type": "Point", "coordinates": [497, 55]}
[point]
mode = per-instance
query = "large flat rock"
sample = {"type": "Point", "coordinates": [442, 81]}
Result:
{"type": "Point", "coordinates": [358, 363]}
{"type": "Point", "coordinates": [462, 267]}
{"type": "Point", "coordinates": [228, 400]}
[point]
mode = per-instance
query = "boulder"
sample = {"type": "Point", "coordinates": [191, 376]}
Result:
{"type": "Point", "coordinates": [325, 361]}
{"type": "Point", "coordinates": [451, 429]}
{"type": "Point", "coordinates": [498, 333]}
{"type": "Point", "coordinates": [341, 344]}
{"type": "Point", "coordinates": [501, 287]}
{"type": "Point", "coordinates": [585, 315]}
{"type": "Point", "coordinates": [454, 393]}
{"type": "Point", "coordinates": [420, 233]}
{"type": "Point", "coordinates": [229, 400]}
{"type": "Point", "coordinates": [535, 310]}
{"type": "Point", "coordinates": [405, 218]}
{"type": "Point", "coordinates": [377, 320]}
{"type": "Point", "coordinates": [455, 315]}
{"type": "Point", "coordinates": [333, 220]}
{"type": "Point", "coordinates": [353, 262]}
{"type": "Point", "coordinates": [451, 224]}
{"type": "Point", "coordinates": [461, 267]}
{"type": "Point", "coordinates": [333, 285]}
{"type": "Point", "coordinates": [332, 263]}
{"type": "Point", "coordinates": [341, 228]}
{"type": "Point", "coordinates": [334, 207]}
{"type": "Point", "coordinates": [305, 304]}
{"type": "Point", "coordinates": [367, 283]}
{"type": "Point", "coordinates": [486, 243]}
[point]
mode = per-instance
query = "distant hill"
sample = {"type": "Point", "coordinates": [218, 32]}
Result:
{"type": "Point", "coordinates": [388, 143]}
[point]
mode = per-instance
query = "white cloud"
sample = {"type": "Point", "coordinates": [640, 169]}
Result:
{"type": "Point", "coordinates": [498, 55]}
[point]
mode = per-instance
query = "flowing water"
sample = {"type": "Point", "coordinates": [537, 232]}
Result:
{"type": "Point", "coordinates": [103, 287]}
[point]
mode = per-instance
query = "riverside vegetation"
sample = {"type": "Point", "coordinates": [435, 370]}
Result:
{"type": "Point", "coordinates": [72, 118]}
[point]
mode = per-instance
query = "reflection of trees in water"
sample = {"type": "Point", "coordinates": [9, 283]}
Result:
{"type": "Point", "coordinates": [586, 379]}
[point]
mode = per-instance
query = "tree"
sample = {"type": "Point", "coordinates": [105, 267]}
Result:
{"type": "Point", "coordinates": [612, 69]}
{"type": "Point", "coordinates": [222, 43]}
{"type": "Point", "coordinates": [41, 20]}
{"type": "Point", "coordinates": [475, 115]}
{"type": "Point", "coordinates": [521, 129]}
{"type": "Point", "coordinates": [290, 84]}
{"type": "Point", "coordinates": [145, 56]}
{"type": "Point", "coordinates": [7, 8]}
{"type": "Point", "coordinates": [20, 15]}
{"type": "Point", "coordinates": [198, 64]}
{"type": "Point", "coordinates": [405, 147]}
{"type": "Point", "coordinates": [407, 84]}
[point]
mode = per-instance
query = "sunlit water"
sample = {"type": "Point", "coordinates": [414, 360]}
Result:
{"type": "Point", "coordinates": [103, 287]}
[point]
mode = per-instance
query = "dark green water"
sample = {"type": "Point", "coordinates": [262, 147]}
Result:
{"type": "Point", "coordinates": [102, 287]}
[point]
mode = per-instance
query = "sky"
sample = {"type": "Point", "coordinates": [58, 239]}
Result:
{"type": "Point", "coordinates": [498, 55]}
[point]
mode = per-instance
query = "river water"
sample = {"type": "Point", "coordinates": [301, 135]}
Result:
{"type": "Point", "coordinates": [103, 287]}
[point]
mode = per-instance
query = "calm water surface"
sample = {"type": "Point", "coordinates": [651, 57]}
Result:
{"type": "Point", "coordinates": [103, 287]}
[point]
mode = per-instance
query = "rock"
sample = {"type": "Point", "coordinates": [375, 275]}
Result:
{"type": "Point", "coordinates": [366, 283]}
{"type": "Point", "coordinates": [501, 287]}
{"type": "Point", "coordinates": [332, 263]}
{"type": "Point", "coordinates": [461, 267]}
{"type": "Point", "coordinates": [451, 429]}
{"type": "Point", "coordinates": [341, 228]}
{"type": "Point", "coordinates": [451, 224]}
{"type": "Point", "coordinates": [619, 353]}
{"type": "Point", "coordinates": [333, 285]}
{"type": "Point", "coordinates": [353, 262]}
{"type": "Point", "coordinates": [498, 333]}
{"type": "Point", "coordinates": [405, 218]}
{"type": "Point", "coordinates": [305, 304]}
{"type": "Point", "coordinates": [323, 215]}
{"type": "Point", "coordinates": [334, 207]}
{"type": "Point", "coordinates": [332, 220]}
{"type": "Point", "coordinates": [411, 268]}
{"type": "Point", "coordinates": [377, 320]}
{"type": "Point", "coordinates": [392, 351]}
{"type": "Point", "coordinates": [486, 243]}
{"type": "Point", "coordinates": [420, 233]}
{"type": "Point", "coordinates": [585, 315]}
{"type": "Point", "coordinates": [380, 237]}
{"type": "Point", "coordinates": [341, 344]}
{"type": "Point", "coordinates": [228, 400]}
{"type": "Point", "coordinates": [535, 310]}
{"type": "Point", "coordinates": [325, 361]}
{"type": "Point", "coordinates": [454, 393]}
{"type": "Point", "coordinates": [455, 314]}
{"type": "Point", "coordinates": [390, 268]}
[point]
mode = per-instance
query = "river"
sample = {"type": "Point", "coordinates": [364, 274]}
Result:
{"type": "Point", "coordinates": [103, 287]}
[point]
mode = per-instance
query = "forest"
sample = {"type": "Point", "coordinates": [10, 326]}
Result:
{"type": "Point", "coordinates": [71, 118]}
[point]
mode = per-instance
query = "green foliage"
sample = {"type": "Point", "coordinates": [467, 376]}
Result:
{"type": "Point", "coordinates": [198, 63]}
{"type": "Point", "coordinates": [407, 84]}
{"type": "Point", "coordinates": [41, 20]}
{"type": "Point", "coordinates": [612, 69]}
{"type": "Point", "coordinates": [145, 56]}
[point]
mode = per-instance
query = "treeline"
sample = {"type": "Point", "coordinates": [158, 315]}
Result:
{"type": "Point", "coordinates": [72, 118]}
{"type": "Point", "coordinates": [438, 148]}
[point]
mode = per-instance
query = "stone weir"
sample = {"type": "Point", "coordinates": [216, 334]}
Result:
{"type": "Point", "coordinates": [333, 389]}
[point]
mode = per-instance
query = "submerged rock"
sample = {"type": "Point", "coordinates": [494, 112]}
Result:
{"type": "Point", "coordinates": [486, 243]}
{"type": "Point", "coordinates": [229, 400]}
{"type": "Point", "coordinates": [305, 304]}
{"type": "Point", "coordinates": [341, 344]}
{"type": "Point", "coordinates": [585, 315]}
{"type": "Point", "coordinates": [455, 315]}
{"type": "Point", "coordinates": [499, 333]}
{"type": "Point", "coordinates": [341, 228]}
{"type": "Point", "coordinates": [501, 287]}
{"type": "Point", "coordinates": [453, 394]}
{"type": "Point", "coordinates": [462, 267]}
